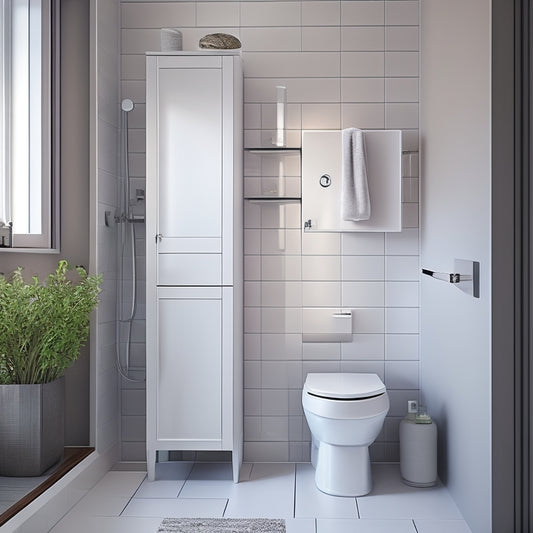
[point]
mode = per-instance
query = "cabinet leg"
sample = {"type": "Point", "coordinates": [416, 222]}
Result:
{"type": "Point", "coordinates": [150, 463]}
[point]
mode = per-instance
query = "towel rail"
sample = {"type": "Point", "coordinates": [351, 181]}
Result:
{"type": "Point", "coordinates": [465, 277]}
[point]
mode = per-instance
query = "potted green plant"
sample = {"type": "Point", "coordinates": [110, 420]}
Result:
{"type": "Point", "coordinates": [42, 328]}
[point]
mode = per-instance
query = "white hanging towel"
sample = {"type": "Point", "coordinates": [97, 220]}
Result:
{"type": "Point", "coordinates": [355, 198]}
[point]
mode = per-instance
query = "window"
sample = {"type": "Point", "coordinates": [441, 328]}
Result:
{"type": "Point", "coordinates": [28, 115]}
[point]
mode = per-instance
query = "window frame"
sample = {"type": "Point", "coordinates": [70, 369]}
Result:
{"type": "Point", "coordinates": [48, 239]}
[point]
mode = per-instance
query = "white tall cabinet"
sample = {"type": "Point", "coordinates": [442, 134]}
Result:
{"type": "Point", "coordinates": [194, 253]}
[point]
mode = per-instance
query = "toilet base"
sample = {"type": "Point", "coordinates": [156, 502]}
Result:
{"type": "Point", "coordinates": [343, 470]}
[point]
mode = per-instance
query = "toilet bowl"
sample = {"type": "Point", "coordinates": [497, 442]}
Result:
{"type": "Point", "coordinates": [345, 413]}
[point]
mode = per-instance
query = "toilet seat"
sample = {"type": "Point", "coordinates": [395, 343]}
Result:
{"type": "Point", "coordinates": [346, 386]}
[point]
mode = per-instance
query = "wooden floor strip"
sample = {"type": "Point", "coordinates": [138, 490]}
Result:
{"type": "Point", "coordinates": [71, 457]}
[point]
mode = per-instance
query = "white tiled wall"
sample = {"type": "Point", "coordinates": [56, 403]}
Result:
{"type": "Point", "coordinates": [344, 63]}
{"type": "Point", "coordinates": [107, 393]}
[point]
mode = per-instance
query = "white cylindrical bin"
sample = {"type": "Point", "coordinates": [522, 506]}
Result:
{"type": "Point", "coordinates": [418, 450]}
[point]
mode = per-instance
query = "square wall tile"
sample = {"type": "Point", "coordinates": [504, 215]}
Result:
{"type": "Point", "coordinates": [271, 39]}
{"type": "Point", "coordinates": [321, 243]}
{"type": "Point", "coordinates": [252, 268]}
{"type": "Point", "coordinates": [401, 347]}
{"type": "Point", "coordinates": [363, 268]}
{"type": "Point", "coordinates": [363, 64]}
{"type": "Point", "coordinates": [363, 294]}
{"type": "Point", "coordinates": [321, 294]}
{"type": "Point", "coordinates": [281, 375]}
{"type": "Point", "coordinates": [401, 375]}
{"type": "Point", "coordinates": [252, 346]}
{"type": "Point", "coordinates": [364, 347]}
{"type": "Point", "coordinates": [401, 12]}
{"type": "Point", "coordinates": [398, 401]}
{"type": "Point", "coordinates": [321, 13]}
{"type": "Point", "coordinates": [362, 38]}
{"type": "Point", "coordinates": [401, 116]}
{"type": "Point", "coordinates": [259, 14]}
{"type": "Point", "coordinates": [321, 351]}
{"type": "Point", "coordinates": [321, 116]}
{"type": "Point", "coordinates": [402, 268]}
{"type": "Point", "coordinates": [402, 294]}
{"type": "Point", "coordinates": [281, 320]}
{"type": "Point", "coordinates": [252, 320]}
{"type": "Point", "coordinates": [252, 374]}
{"type": "Point", "coordinates": [362, 90]}
{"type": "Point", "coordinates": [252, 402]}
{"type": "Point", "coordinates": [274, 402]}
{"type": "Point", "coordinates": [368, 320]}
{"type": "Point", "coordinates": [410, 216]}
{"type": "Point", "coordinates": [266, 452]}
{"type": "Point", "coordinates": [402, 320]}
{"type": "Point", "coordinates": [275, 346]}
{"type": "Point", "coordinates": [363, 243]}
{"type": "Point", "coordinates": [281, 268]}
{"type": "Point", "coordinates": [363, 13]}
{"type": "Point", "coordinates": [321, 38]}
{"type": "Point", "coordinates": [401, 64]}
{"type": "Point", "coordinates": [404, 242]}
{"type": "Point", "coordinates": [217, 14]}
{"type": "Point", "coordinates": [281, 294]}
{"type": "Point", "coordinates": [280, 241]}
{"type": "Point", "coordinates": [401, 38]}
{"type": "Point", "coordinates": [321, 268]}
{"type": "Point", "coordinates": [401, 90]}
{"type": "Point", "coordinates": [364, 367]}
{"type": "Point", "coordinates": [318, 366]}
{"type": "Point", "coordinates": [364, 116]}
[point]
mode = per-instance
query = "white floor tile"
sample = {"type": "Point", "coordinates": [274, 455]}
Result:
{"type": "Point", "coordinates": [328, 525]}
{"type": "Point", "coordinates": [312, 503]}
{"type": "Point", "coordinates": [442, 526]}
{"type": "Point", "coordinates": [212, 480]}
{"type": "Point", "coordinates": [160, 488]}
{"type": "Point", "coordinates": [217, 488]}
{"type": "Point", "coordinates": [95, 503]}
{"type": "Point", "coordinates": [269, 493]}
{"type": "Point", "coordinates": [392, 499]}
{"type": "Point", "coordinates": [119, 484]}
{"type": "Point", "coordinates": [176, 508]}
{"type": "Point", "coordinates": [300, 525]}
{"type": "Point", "coordinates": [106, 524]}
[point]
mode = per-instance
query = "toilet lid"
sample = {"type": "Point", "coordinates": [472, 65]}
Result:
{"type": "Point", "coordinates": [344, 386]}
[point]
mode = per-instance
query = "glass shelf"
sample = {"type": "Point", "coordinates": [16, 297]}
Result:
{"type": "Point", "coordinates": [273, 199]}
{"type": "Point", "coordinates": [273, 150]}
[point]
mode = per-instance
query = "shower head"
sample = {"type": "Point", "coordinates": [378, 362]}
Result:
{"type": "Point", "coordinates": [127, 105]}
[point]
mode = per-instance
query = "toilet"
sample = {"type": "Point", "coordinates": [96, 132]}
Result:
{"type": "Point", "coordinates": [345, 413]}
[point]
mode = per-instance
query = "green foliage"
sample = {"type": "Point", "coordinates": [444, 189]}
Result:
{"type": "Point", "coordinates": [44, 325]}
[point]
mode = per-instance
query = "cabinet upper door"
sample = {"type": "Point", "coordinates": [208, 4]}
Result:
{"type": "Point", "coordinates": [190, 158]}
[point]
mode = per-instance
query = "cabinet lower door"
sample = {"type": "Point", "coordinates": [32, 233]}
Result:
{"type": "Point", "coordinates": [190, 373]}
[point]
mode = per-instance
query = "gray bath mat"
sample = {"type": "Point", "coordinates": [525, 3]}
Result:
{"type": "Point", "coordinates": [221, 525]}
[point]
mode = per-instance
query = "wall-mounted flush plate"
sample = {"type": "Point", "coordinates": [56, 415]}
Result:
{"type": "Point", "coordinates": [469, 280]}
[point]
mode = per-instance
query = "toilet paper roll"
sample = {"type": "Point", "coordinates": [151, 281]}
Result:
{"type": "Point", "coordinates": [171, 40]}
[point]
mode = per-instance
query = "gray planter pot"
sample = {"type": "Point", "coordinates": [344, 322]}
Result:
{"type": "Point", "coordinates": [31, 427]}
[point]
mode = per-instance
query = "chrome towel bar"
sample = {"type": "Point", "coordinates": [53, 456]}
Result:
{"type": "Point", "coordinates": [465, 277]}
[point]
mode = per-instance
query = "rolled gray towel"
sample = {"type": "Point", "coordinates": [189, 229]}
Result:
{"type": "Point", "coordinates": [220, 41]}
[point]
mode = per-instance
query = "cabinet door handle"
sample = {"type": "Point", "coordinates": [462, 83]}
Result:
{"type": "Point", "coordinates": [158, 237]}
